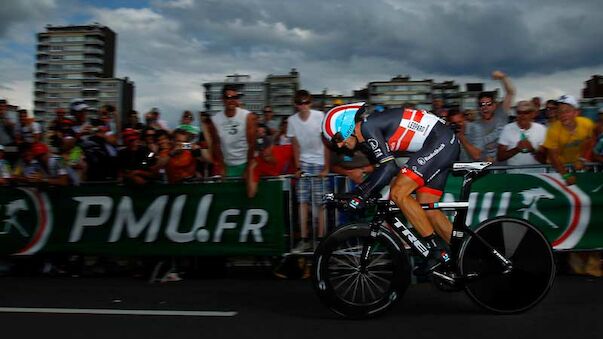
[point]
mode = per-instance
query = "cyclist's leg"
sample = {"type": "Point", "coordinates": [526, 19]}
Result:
{"type": "Point", "coordinates": [404, 184]}
{"type": "Point", "coordinates": [438, 219]}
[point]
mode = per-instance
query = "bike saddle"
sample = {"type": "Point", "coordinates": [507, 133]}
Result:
{"type": "Point", "coordinates": [470, 166]}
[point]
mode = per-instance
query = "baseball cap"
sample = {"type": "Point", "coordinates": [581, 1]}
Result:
{"type": "Point", "coordinates": [38, 149]}
{"type": "Point", "coordinates": [78, 105]}
{"type": "Point", "coordinates": [568, 100]}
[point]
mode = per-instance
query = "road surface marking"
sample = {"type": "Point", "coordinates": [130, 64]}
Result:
{"type": "Point", "coordinates": [102, 311]}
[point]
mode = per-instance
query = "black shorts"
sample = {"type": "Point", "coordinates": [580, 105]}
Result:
{"type": "Point", "coordinates": [429, 166]}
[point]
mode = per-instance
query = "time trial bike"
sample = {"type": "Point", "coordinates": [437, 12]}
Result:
{"type": "Point", "coordinates": [362, 269]}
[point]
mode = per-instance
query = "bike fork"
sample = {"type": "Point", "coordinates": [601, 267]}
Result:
{"type": "Point", "coordinates": [368, 246]}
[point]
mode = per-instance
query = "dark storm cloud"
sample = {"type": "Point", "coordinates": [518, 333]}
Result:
{"type": "Point", "coordinates": [15, 12]}
{"type": "Point", "coordinates": [455, 37]}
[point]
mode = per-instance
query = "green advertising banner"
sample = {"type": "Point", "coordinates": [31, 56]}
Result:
{"type": "Point", "coordinates": [218, 219]}
{"type": "Point", "coordinates": [191, 219]}
{"type": "Point", "coordinates": [571, 217]}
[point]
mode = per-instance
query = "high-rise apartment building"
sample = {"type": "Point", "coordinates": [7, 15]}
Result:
{"type": "Point", "coordinates": [276, 91]}
{"type": "Point", "coordinates": [280, 90]}
{"type": "Point", "coordinates": [400, 91]}
{"type": "Point", "coordinates": [254, 93]}
{"type": "Point", "coordinates": [78, 62]}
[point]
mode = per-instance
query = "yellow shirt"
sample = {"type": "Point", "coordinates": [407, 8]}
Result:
{"type": "Point", "coordinates": [569, 144]}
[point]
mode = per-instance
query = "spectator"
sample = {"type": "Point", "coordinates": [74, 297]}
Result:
{"type": "Point", "coordinates": [133, 122]}
{"type": "Point", "coordinates": [149, 138]}
{"type": "Point", "coordinates": [74, 160]}
{"type": "Point", "coordinates": [352, 164]}
{"type": "Point", "coordinates": [456, 120]}
{"type": "Point", "coordinates": [470, 115]}
{"type": "Point", "coordinates": [271, 160]}
{"type": "Point", "coordinates": [186, 125]}
{"type": "Point", "coordinates": [162, 156]}
{"type": "Point", "coordinates": [281, 137]}
{"type": "Point", "coordinates": [135, 160]}
{"type": "Point", "coordinates": [7, 127]}
{"type": "Point", "coordinates": [551, 112]}
{"type": "Point", "coordinates": [235, 136]}
{"type": "Point", "coordinates": [568, 139]}
{"type": "Point", "coordinates": [182, 163]}
{"type": "Point", "coordinates": [28, 131]}
{"type": "Point", "coordinates": [101, 156]}
{"type": "Point", "coordinates": [5, 169]}
{"type": "Point", "coordinates": [59, 127]}
{"type": "Point", "coordinates": [540, 116]}
{"type": "Point", "coordinates": [37, 166]}
{"type": "Point", "coordinates": [81, 126]}
{"type": "Point", "coordinates": [107, 115]}
{"type": "Point", "coordinates": [268, 120]}
{"type": "Point", "coordinates": [153, 120]}
{"type": "Point", "coordinates": [438, 108]}
{"type": "Point", "coordinates": [311, 158]}
{"type": "Point", "coordinates": [520, 141]}
{"type": "Point", "coordinates": [483, 134]}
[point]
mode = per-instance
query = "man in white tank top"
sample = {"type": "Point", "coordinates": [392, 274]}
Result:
{"type": "Point", "coordinates": [235, 129]}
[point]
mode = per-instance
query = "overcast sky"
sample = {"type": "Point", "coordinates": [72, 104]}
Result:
{"type": "Point", "coordinates": [169, 48]}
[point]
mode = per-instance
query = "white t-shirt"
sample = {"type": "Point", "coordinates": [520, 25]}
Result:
{"type": "Point", "coordinates": [308, 135]}
{"type": "Point", "coordinates": [511, 135]}
{"type": "Point", "coordinates": [233, 136]}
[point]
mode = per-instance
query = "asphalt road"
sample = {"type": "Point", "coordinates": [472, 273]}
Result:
{"type": "Point", "coordinates": [260, 306]}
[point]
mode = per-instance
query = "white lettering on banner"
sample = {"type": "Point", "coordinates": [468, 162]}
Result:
{"type": "Point", "coordinates": [225, 225]}
{"type": "Point", "coordinates": [149, 225]}
{"type": "Point", "coordinates": [254, 228]}
{"type": "Point", "coordinates": [83, 220]}
{"type": "Point", "coordinates": [125, 216]}
{"type": "Point", "coordinates": [196, 232]}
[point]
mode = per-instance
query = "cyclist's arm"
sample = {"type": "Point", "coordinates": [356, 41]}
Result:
{"type": "Point", "coordinates": [387, 168]}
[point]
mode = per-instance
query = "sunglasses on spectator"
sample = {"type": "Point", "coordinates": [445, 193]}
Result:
{"type": "Point", "coordinates": [302, 102]}
{"type": "Point", "coordinates": [232, 97]}
{"type": "Point", "coordinates": [484, 104]}
{"type": "Point", "coordinates": [523, 112]}
{"type": "Point", "coordinates": [188, 117]}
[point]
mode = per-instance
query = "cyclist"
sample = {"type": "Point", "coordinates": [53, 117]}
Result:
{"type": "Point", "coordinates": [432, 147]}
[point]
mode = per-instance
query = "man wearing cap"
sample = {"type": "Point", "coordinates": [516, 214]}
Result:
{"type": "Point", "coordinates": [520, 141]}
{"type": "Point", "coordinates": [81, 127]}
{"type": "Point", "coordinates": [39, 166]}
{"type": "Point", "coordinates": [568, 139]}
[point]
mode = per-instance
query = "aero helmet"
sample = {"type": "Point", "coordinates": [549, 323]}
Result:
{"type": "Point", "coordinates": [339, 122]}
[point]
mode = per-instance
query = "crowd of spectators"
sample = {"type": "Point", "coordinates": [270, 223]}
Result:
{"type": "Point", "coordinates": [81, 145]}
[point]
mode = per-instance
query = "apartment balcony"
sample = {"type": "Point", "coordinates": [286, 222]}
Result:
{"type": "Point", "coordinates": [94, 42]}
{"type": "Point", "coordinates": [92, 50]}
{"type": "Point", "coordinates": [95, 61]}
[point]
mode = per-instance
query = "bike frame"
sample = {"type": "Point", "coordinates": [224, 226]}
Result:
{"type": "Point", "coordinates": [386, 211]}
